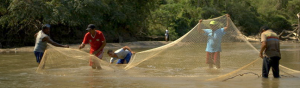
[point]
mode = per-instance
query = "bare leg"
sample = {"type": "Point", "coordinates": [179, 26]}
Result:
{"type": "Point", "coordinates": [217, 59]}
{"type": "Point", "coordinates": [166, 38]}
{"type": "Point", "coordinates": [209, 59]}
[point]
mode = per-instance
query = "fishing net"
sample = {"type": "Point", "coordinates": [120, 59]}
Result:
{"type": "Point", "coordinates": [186, 56]}
{"type": "Point", "coordinates": [64, 61]}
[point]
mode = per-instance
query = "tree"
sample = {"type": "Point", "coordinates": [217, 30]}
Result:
{"type": "Point", "coordinates": [70, 17]}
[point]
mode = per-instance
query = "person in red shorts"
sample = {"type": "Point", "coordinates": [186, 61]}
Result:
{"type": "Point", "coordinates": [97, 42]}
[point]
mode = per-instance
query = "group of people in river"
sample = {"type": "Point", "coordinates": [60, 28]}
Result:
{"type": "Point", "coordinates": [270, 51]}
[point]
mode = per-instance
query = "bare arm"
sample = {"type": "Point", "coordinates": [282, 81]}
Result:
{"type": "Point", "coordinates": [263, 47]}
{"type": "Point", "coordinates": [101, 47]}
{"type": "Point", "coordinates": [112, 59]}
{"type": "Point", "coordinates": [199, 30]}
{"type": "Point", "coordinates": [35, 35]}
{"type": "Point", "coordinates": [82, 45]}
{"type": "Point", "coordinates": [126, 47]}
{"type": "Point", "coordinates": [49, 40]}
{"type": "Point", "coordinates": [227, 25]}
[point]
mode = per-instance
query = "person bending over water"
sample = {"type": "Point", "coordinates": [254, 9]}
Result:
{"type": "Point", "coordinates": [122, 54]}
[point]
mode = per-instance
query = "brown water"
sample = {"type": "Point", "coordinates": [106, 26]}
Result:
{"type": "Point", "coordinates": [18, 70]}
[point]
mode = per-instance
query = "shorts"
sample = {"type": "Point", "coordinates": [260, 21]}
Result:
{"type": "Point", "coordinates": [213, 58]}
{"type": "Point", "coordinates": [38, 56]}
{"type": "Point", "coordinates": [99, 55]}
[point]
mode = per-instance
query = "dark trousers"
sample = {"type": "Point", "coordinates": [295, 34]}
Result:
{"type": "Point", "coordinates": [127, 58]}
{"type": "Point", "coordinates": [269, 62]}
{"type": "Point", "coordinates": [38, 56]}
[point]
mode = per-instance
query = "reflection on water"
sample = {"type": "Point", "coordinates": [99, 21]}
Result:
{"type": "Point", "coordinates": [18, 70]}
{"type": "Point", "coordinates": [270, 83]}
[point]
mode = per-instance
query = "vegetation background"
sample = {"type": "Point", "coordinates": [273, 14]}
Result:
{"type": "Point", "coordinates": [132, 20]}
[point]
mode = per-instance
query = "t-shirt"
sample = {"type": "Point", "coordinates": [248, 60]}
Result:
{"type": "Point", "coordinates": [121, 53]}
{"type": "Point", "coordinates": [214, 39]}
{"type": "Point", "coordinates": [167, 33]}
{"type": "Point", "coordinates": [40, 45]}
{"type": "Point", "coordinates": [272, 42]}
{"type": "Point", "coordinates": [95, 41]}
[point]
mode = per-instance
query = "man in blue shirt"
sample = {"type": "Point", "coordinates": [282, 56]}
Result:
{"type": "Point", "coordinates": [213, 47]}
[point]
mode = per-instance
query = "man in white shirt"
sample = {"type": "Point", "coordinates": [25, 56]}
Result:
{"type": "Point", "coordinates": [41, 39]}
{"type": "Point", "coordinates": [167, 35]}
{"type": "Point", "coordinates": [122, 54]}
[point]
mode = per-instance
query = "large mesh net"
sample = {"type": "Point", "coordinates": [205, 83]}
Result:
{"type": "Point", "coordinates": [184, 57]}
{"type": "Point", "coordinates": [188, 55]}
{"type": "Point", "coordinates": [64, 61]}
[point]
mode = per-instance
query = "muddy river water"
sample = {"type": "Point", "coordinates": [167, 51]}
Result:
{"type": "Point", "coordinates": [18, 70]}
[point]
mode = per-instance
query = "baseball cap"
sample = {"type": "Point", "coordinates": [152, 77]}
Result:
{"type": "Point", "coordinates": [213, 22]}
{"type": "Point", "coordinates": [263, 28]}
{"type": "Point", "coordinates": [91, 26]}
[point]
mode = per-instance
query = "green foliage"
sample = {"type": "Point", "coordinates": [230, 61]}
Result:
{"type": "Point", "coordinates": [278, 14]}
{"type": "Point", "coordinates": [209, 12]}
{"type": "Point", "coordinates": [244, 15]}
{"type": "Point", "coordinates": [21, 19]}
{"type": "Point", "coordinates": [248, 15]}
{"type": "Point", "coordinates": [131, 19]}
{"type": "Point", "coordinates": [291, 10]}
{"type": "Point", "coordinates": [176, 16]}
{"type": "Point", "coordinates": [276, 22]}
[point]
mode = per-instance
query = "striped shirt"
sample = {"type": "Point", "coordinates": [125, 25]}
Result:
{"type": "Point", "coordinates": [272, 41]}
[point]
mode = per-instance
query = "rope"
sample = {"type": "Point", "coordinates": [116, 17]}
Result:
{"type": "Point", "coordinates": [241, 75]}
{"type": "Point", "coordinates": [291, 76]}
